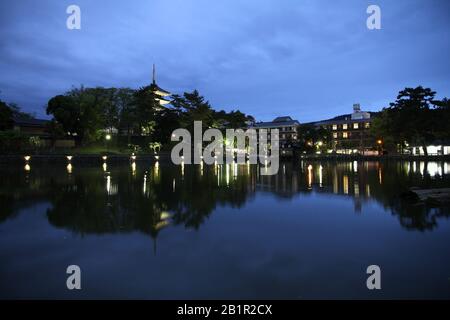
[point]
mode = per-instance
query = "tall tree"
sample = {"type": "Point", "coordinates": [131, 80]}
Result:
{"type": "Point", "coordinates": [310, 138]}
{"type": "Point", "coordinates": [408, 119]}
{"type": "Point", "coordinates": [193, 107]}
{"type": "Point", "coordinates": [6, 116]}
{"type": "Point", "coordinates": [145, 109]}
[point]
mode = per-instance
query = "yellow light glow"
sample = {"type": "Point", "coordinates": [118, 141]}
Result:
{"type": "Point", "coordinates": [320, 175]}
{"type": "Point", "coordinates": [144, 187]}
{"type": "Point", "coordinates": [105, 167]}
{"type": "Point", "coordinates": [69, 168]}
{"type": "Point", "coordinates": [108, 137]}
{"type": "Point", "coordinates": [104, 158]}
{"type": "Point", "coordinates": [157, 157]}
{"type": "Point", "coordinates": [69, 158]}
{"type": "Point", "coordinates": [310, 177]}
{"type": "Point", "coordinates": [345, 183]}
{"type": "Point", "coordinates": [133, 168]}
{"type": "Point", "coordinates": [27, 167]}
{"type": "Point", "coordinates": [157, 170]}
{"type": "Point", "coordinates": [27, 158]}
{"type": "Point", "coordinates": [164, 215]}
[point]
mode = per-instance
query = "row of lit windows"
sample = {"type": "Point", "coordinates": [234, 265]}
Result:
{"type": "Point", "coordinates": [356, 125]}
{"type": "Point", "coordinates": [344, 135]}
{"type": "Point", "coordinates": [285, 136]}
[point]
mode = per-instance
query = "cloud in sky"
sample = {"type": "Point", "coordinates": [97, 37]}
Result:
{"type": "Point", "coordinates": [310, 59]}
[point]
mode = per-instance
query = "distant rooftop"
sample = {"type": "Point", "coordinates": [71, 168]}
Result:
{"type": "Point", "coordinates": [282, 119]}
{"type": "Point", "coordinates": [345, 118]}
{"type": "Point", "coordinates": [277, 122]}
{"type": "Point", "coordinates": [30, 122]}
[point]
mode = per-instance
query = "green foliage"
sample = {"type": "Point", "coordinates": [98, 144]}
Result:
{"type": "Point", "coordinates": [35, 142]}
{"type": "Point", "coordinates": [311, 138]}
{"type": "Point", "coordinates": [87, 112]}
{"type": "Point", "coordinates": [134, 148]}
{"type": "Point", "coordinates": [13, 141]}
{"type": "Point", "coordinates": [414, 118]}
{"type": "Point", "coordinates": [155, 146]}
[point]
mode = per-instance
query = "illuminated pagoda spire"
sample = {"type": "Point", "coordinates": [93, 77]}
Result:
{"type": "Point", "coordinates": [160, 93]}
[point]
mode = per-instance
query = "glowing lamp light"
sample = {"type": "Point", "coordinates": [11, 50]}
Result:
{"type": "Point", "coordinates": [104, 158]}
{"type": "Point", "coordinates": [27, 158]}
{"type": "Point", "coordinates": [133, 157]}
{"type": "Point", "coordinates": [108, 137]}
{"type": "Point", "coordinates": [157, 157]}
{"type": "Point", "coordinates": [27, 167]}
{"type": "Point", "coordinates": [320, 143]}
{"type": "Point", "coordinates": [182, 157]}
{"type": "Point", "coordinates": [379, 141]}
{"type": "Point", "coordinates": [310, 167]}
{"type": "Point", "coordinates": [69, 158]}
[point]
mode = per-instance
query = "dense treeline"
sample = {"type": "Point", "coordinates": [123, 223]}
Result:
{"type": "Point", "coordinates": [415, 118]}
{"type": "Point", "coordinates": [88, 113]}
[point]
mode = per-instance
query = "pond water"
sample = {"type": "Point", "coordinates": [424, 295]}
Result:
{"type": "Point", "coordinates": [159, 231]}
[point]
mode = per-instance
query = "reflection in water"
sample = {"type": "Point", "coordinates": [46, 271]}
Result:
{"type": "Point", "coordinates": [210, 231]}
{"type": "Point", "coordinates": [141, 201]}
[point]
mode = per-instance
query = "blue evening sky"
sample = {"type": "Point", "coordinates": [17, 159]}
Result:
{"type": "Point", "coordinates": [310, 59]}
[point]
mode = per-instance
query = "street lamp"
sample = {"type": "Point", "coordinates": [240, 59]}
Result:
{"type": "Point", "coordinates": [107, 138]}
{"type": "Point", "coordinates": [380, 143]}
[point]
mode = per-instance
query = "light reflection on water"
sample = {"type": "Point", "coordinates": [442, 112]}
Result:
{"type": "Point", "coordinates": [249, 223]}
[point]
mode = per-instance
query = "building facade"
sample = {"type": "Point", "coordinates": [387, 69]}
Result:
{"type": "Point", "coordinates": [287, 128]}
{"type": "Point", "coordinates": [351, 132]}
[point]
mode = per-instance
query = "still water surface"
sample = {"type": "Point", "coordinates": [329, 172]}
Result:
{"type": "Point", "coordinates": [161, 231]}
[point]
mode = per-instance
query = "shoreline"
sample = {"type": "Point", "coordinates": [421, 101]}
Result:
{"type": "Point", "coordinates": [165, 156]}
{"type": "Point", "coordinates": [403, 157]}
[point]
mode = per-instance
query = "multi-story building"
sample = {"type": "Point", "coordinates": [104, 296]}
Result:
{"type": "Point", "coordinates": [351, 132]}
{"type": "Point", "coordinates": [287, 128]}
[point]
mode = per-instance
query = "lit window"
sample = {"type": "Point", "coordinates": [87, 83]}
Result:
{"type": "Point", "coordinates": [344, 126]}
{"type": "Point", "coordinates": [334, 126]}
{"type": "Point", "coordinates": [344, 135]}
{"type": "Point", "coordinates": [335, 135]}
{"type": "Point", "coordinates": [367, 125]}
{"type": "Point", "coordinates": [356, 126]}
